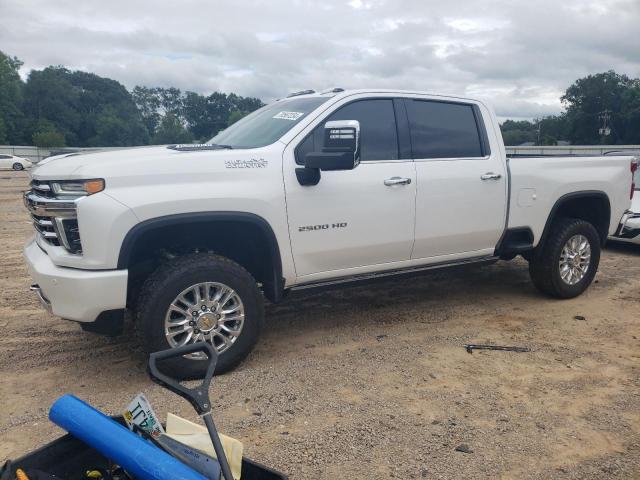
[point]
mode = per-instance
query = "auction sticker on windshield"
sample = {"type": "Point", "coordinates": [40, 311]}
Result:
{"type": "Point", "coordinates": [289, 115]}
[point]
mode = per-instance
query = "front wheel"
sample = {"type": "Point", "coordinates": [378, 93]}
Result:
{"type": "Point", "coordinates": [565, 265]}
{"type": "Point", "coordinates": [200, 297]}
{"type": "Point", "coordinates": [18, 166]}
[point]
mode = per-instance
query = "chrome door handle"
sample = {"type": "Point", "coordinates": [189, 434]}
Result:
{"type": "Point", "coordinates": [490, 176]}
{"type": "Point", "coordinates": [389, 182]}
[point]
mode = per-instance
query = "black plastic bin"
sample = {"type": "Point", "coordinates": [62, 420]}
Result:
{"type": "Point", "coordinates": [68, 458]}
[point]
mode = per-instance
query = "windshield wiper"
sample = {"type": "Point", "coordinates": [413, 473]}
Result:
{"type": "Point", "coordinates": [187, 147]}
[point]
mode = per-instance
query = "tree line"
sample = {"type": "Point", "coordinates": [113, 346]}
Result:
{"type": "Point", "coordinates": [57, 107]}
{"type": "Point", "coordinates": [599, 109]}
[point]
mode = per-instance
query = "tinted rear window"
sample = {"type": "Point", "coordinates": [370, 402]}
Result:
{"type": "Point", "coordinates": [443, 130]}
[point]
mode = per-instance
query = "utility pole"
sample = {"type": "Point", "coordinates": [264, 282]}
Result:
{"type": "Point", "coordinates": [605, 129]}
{"type": "Point", "coordinates": [538, 129]}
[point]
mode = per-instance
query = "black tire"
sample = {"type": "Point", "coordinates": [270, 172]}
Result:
{"type": "Point", "coordinates": [164, 285]}
{"type": "Point", "coordinates": [544, 267]}
{"type": "Point", "coordinates": [18, 166]}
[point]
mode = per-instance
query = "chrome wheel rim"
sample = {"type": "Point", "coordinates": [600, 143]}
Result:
{"type": "Point", "coordinates": [575, 259]}
{"type": "Point", "coordinates": [205, 312]}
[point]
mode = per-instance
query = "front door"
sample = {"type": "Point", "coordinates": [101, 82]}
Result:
{"type": "Point", "coordinates": [358, 220]}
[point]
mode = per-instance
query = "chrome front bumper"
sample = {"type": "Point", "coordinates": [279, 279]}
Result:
{"type": "Point", "coordinates": [71, 293]}
{"type": "Point", "coordinates": [44, 301]}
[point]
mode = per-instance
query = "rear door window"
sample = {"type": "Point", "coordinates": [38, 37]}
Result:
{"type": "Point", "coordinates": [443, 130]}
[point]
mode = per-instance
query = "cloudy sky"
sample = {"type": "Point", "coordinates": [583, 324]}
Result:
{"type": "Point", "coordinates": [520, 55]}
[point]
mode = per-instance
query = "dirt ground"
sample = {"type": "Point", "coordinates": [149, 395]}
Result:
{"type": "Point", "coordinates": [371, 382]}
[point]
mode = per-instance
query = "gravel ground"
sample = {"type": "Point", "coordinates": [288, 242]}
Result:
{"type": "Point", "coordinates": [371, 382]}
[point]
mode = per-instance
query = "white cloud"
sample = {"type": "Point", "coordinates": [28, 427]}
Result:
{"type": "Point", "coordinates": [520, 55]}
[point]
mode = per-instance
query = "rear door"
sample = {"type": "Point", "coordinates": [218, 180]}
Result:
{"type": "Point", "coordinates": [352, 221]}
{"type": "Point", "coordinates": [462, 182]}
{"type": "Point", "coordinates": [5, 161]}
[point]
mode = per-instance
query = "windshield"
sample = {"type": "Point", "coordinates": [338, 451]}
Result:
{"type": "Point", "coordinates": [268, 124]}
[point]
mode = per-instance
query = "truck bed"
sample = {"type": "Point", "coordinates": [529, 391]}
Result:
{"type": "Point", "coordinates": [539, 182]}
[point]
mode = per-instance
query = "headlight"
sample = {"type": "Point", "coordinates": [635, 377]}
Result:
{"type": "Point", "coordinates": [77, 187]}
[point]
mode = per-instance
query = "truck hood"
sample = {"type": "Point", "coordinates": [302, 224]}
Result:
{"type": "Point", "coordinates": [79, 165]}
{"type": "Point", "coordinates": [139, 161]}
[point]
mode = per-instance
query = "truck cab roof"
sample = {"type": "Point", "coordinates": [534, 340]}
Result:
{"type": "Point", "coordinates": [341, 92]}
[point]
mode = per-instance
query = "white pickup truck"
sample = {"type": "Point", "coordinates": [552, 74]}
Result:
{"type": "Point", "coordinates": [314, 190]}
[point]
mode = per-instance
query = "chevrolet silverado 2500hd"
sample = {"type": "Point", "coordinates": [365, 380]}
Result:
{"type": "Point", "coordinates": [312, 190]}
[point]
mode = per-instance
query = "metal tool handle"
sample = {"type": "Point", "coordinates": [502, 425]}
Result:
{"type": "Point", "coordinates": [197, 396]}
{"type": "Point", "coordinates": [472, 346]}
{"type": "Point", "coordinates": [217, 446]}
{"type": "Point", "coordinates": [389, 182]}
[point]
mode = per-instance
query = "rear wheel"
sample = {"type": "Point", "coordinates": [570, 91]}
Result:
{"type": "Point", "coordinates": [18, 166]}
{"type": "Point", "coordinates": [200, 297]}
{"type": "Point", "coordinates": [565, 265]}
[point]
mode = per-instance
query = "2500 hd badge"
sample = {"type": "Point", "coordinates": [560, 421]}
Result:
{"type": "Point", "coordinates": [324, 226]}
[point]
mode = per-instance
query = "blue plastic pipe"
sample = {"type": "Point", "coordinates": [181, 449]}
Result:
{"type": "Point", "coordinates": [137, 456]}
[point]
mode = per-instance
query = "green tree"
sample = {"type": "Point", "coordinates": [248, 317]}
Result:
{"type": "Point", "coordinates": [171, 130]}
{"type": "Point", "coordinates": [206, 116]}
{"type": "Point", "coordinates": [243, 104]}
{"type": "Point", "coordinates": [11, 116]}
{"type": "Point", "coordinates": [235, 116]}
{"type": "Point", "coordinates": [3, 132]}
{"type": "Point", "coordinates": [202, 115]}
{"type": "Point", "coordinates": [111, 130]}
{"type": "Point", "coordinates": [545, 131]}
{"type": "Point", "coordinates": [589, 98]}
{"type": "Point", "coordinates": [199, 115]}
{"type": "Point", "coordinates": [46, 135]}
{"type": "Point", "coordinates": [553, 128]}
{"type": "Point", "coordinates": [148, 104]}
{"type": "Point", "coordinates": [629, 125]}
{"type": "Point", "coordinates": [170, 99]}
{"type": "Point", "coordinates": [78, 104]}
{"type": "Point", "coordinates": [518, 132]}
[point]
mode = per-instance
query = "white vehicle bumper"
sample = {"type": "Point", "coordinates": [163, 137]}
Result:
{"type": "Point", "coordinates": [629, 230]}
{"type": "Point", "coordinates": [71, 293]}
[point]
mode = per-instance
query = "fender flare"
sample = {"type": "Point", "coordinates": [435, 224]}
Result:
{"type": "Point", "coordinates": [572, 196]}
{"type": "Point", "coordinates": [274, 287]}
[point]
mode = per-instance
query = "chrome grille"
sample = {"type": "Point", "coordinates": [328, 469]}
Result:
{"type": "Point", "coordinates": [53, 218]}
{"type": "Point", "coordinates": [44, 226]}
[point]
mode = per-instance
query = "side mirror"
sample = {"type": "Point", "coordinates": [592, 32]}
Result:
{"type": "Point", "coordinates": [341, 151]}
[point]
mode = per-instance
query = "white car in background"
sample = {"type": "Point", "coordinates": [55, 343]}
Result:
{"type": "Point", "coordinates": [13, 163]}
{"type": "Point", "coordinates": [630, 226]}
